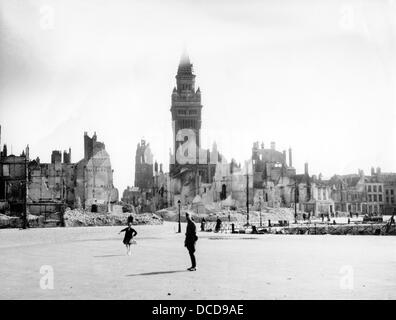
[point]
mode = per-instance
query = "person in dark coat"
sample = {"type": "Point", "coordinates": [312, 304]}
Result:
{"type": "Point", "coordinates": [203, 222]}
{"type": "Point", "coordinates": [130, 219]}
{"type": "Point", "coordinates": [191, 239]}
{"type": "Point", "coordinates": [218, 225]}
{"type": "Point", "coordinates": [129, 234]}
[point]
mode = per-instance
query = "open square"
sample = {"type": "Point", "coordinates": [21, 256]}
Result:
{"type": "Point", "coordinates": [91, 263]}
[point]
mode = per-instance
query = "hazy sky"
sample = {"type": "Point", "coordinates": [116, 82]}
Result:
{"type": "Point", "coordinates": [319, 76]}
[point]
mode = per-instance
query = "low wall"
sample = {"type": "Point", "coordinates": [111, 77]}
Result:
{"type": "Point", "coordinates": [348, 229]}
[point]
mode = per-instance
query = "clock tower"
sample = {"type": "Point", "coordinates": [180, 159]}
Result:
{"type": "Point", "coordinates": [186, 106]}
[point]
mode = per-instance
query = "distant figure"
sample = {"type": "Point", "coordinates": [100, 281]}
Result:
{"type": "Point", "coordinates": [357, 215]}
{"type": "Point", "coordinates": [218, 225]}
{"type": "Point", "coordinates": [350, 214]}
{"type": "Point", "coordinates": [130, 219]}
{"type": "Point", "coordinates": [334, 222]}
{"type": "Point", "coordinates": [203, 222]}
{"type": "Point", "coordinates": [304, 216]}
{"type": "Point", "coordinates": [129, 234]}
{"type": "Point", "coordinates": [269, 223]}
{"type": "Point", "coordinates": [322, 217]}
{"type": "Point", "coordinates": [349, 221]}
{"type": "Point", "coordinates": [254, 230]}
{"type": "Point", "coordinates": [392, 219]}
{"type": "Point", "coordinates": [336, 214]}
{"type": "Point", "coordinates": [229, 216]}
{"type": "Point", "coordinates": [309, 216]}
{"type": "Point", "coordinates": [232, 228]}
{"type": "Point", "coordinates": [191, 239]}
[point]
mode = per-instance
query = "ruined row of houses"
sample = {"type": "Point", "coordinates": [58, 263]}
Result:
{"type": "Point", "coordinates": [40, 188]}
{"type": "Point", "coordinates": [196, 176]}
{"type": "Point", "coordinates": [268, 178]}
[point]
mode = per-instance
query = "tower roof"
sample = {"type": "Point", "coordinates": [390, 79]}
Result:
{"type": "Point", "coordinates": [185, 66]}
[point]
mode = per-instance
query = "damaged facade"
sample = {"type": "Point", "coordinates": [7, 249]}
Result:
{"type": "Point", "coordinates": [94, 177]}
{"type": "Point", "coordinates": [150, 191]}
{"type": "Point", "coordinates": [13, 178]}
{"type": "Point", "coordinates": [51, 187]}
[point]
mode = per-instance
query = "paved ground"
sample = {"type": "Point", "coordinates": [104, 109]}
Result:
{"type": "Point", "coordinates": [90, 263]}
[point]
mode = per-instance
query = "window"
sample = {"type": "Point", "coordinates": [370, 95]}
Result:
{"type": "Point", "coordinates": [387, 191]}
{"type": "Point", "coordinates": [370, 198]}
{"type": "Point", "coordinates": [6, 170]}
{"type": "Point", "coordinates": [392, 200]}
{"type": "Point", "coordinates": [379, 188]}
{"type": "Point", "coordinates": [387, 199]}
{"type": "Point", "coordinates": [369, 188]}
{"type": "Point", "coordinates": [391, 192]}
{"type": "Point", "coordinates": [380, 197]}
{"type": "Point", "coordinates": [375, 198]}
{"type": "Point", "coordinates": [374, 188]}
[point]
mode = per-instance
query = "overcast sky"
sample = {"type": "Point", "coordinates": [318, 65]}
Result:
{"type": "Point", "coordinates": [317, 76]}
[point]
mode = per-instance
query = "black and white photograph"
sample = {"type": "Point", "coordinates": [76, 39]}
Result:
{"type": "Point", "coordinates": [197, 150]}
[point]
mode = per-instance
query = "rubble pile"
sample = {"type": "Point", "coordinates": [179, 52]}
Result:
{"type": "Point", "coordinates": [17, 222]}
{"type": "Point", "coordinates": [239, 217]}
{"type": "Point", "coordinates": [78, 217]}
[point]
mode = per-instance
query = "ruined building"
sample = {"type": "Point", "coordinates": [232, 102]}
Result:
{"type": "Point", "coordinates": [150, 192]}
{"type": "Point", "coordinates": [94, 177]}
{"type": "Point", "coordinates": [143, 166]}
{"type": "Point", "coordinates": [272, 181]}
{"type": "Point", "coordinates": [51, 185]}
{"type": "Point", "coordinates": [87, 184]}
{"type": "Point", "coordinates": [13, 177]}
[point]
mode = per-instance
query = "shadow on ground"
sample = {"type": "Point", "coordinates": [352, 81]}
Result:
{"type": "Point", "coordinates": [110, 255]}
{"type": "Point", "coordinates": [155, 273]}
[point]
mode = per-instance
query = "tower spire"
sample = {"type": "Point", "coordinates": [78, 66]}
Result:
{"type": "Point", "coordinates": [185, 66]}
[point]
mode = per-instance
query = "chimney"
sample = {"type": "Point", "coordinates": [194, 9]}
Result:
{"type": "Point", "coordinates": [284, 157]}
{"type": "Point", "coordinates": [161, 168]}
{"type": "Point", "coordinates": [378, 170]}
{"type": "Point", "coordinates": [372, 171]}
{"type": "Point", "coordinates": [306, 168]}
{"type": "Point", "coordinates": [290, 158]}
{"type": "Point", "coordinates": [272, 145]}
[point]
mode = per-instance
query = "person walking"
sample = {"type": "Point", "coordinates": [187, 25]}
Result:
{"type": "Point", "coordinates": [130, 219]}
{"type": "Point", "coordinates": [218, 225]}
{"type": "Point", "coordinates": [128, 238]}
{"type": "Point", "coordinates": [203, 222]}
{"type": "Point", "coordinates": [191, 239]}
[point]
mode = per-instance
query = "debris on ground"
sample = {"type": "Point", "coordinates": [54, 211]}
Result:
{"type": "Point", "coordinates": [78, 217]}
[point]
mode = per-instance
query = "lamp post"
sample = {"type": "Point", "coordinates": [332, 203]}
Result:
{"type": "Point", "coordinates": [261, 222]}
{"type": "Point", "coordinates": [295, 202]}
{"type": "Point", "coordinates": [247, 197]}
{"type": "Point", "coordinates": [179, 203]}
